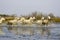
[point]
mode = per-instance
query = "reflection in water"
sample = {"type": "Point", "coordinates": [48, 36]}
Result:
{"type": "Point", "coordinates": [52, 32]}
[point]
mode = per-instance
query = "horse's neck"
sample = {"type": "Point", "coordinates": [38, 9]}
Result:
{"type": "Point", "coordinates": [1, 19]}
{"type": "Point", "coordinates": [31, 19]}
{"type": "Point", "coordinates": [22, 18]}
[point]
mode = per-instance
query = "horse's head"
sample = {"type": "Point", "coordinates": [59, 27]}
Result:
{"type": "Point", "coordinates": [32, 18]}
{"type": "Point", "coordinates": [22, 18]}
{"type": "Point", "coordinates": [2, 18]}
{"type": "Point", "coordinates": [49, 17]}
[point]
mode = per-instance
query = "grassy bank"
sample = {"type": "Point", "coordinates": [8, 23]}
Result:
{"type": "Point", "coordinates": [57, 19]}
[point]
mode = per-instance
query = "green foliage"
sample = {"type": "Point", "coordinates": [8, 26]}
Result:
{"type": "Point", "coordinates": [57, 19]}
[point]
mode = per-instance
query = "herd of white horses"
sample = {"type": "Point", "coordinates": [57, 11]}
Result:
{"type": "Point", "coordinates": [25, 21]}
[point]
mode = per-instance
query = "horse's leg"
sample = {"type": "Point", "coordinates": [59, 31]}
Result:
{"type": "Point", "coordinates": [42, 30]}
{"type": "Point", "coordinates": [48, 33]}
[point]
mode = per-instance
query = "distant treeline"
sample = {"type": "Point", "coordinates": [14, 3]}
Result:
{"type": "Point", "coordinates": [6, 15]}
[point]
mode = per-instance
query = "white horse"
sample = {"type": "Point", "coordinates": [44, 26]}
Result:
{"type": "Point", "coordinates": [40, 21]}
{"type": "Point", "coordinates": [45, 22]}
{"type": "Point", "coordinates": [21, 20]}
{"type": "Point", "coordinates": [27, 21]}
{"type": "Point", "coordinates": [1, 20]}
{"type": "Point", "coordinates": [13, 22]}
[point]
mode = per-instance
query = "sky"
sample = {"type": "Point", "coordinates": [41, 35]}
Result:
{"type": "Point", "coordinates": [24, 7]}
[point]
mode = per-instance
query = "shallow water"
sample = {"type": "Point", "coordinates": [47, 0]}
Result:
{"type": "Point", "coordinates": [54, 34]}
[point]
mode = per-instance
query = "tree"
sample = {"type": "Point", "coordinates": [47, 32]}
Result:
{"type": "Point", "coordinates": [34, 14]}
{"type": "Point", "coordinates": [51, 15]}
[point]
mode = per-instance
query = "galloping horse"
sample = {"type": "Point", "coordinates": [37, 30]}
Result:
{"type": "Point", "coordinates": [40, 21]}
{"type": "Point", "coordinates": [1, 20]}
{"type": "Point", "coordinates": [47, 21]}
{"type": "Point", "coordinates": [29, 21]}
{"type": "Point", "coordinates": [26, 21]}
{"type": "Point", "coordinates": [13, 22]}
{"type": "Point", "coordinates": [21, 20]}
